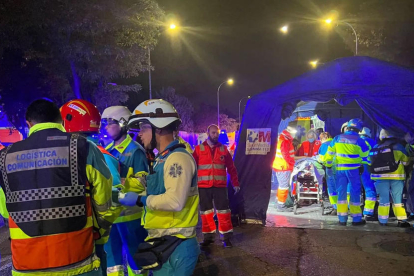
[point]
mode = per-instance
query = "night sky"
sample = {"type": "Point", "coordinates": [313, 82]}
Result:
{"type": "Point", "coordinates": [241, 39]}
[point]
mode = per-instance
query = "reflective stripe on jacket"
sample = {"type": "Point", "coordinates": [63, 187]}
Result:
{"type": "Point", "coordinates": [211, 169]}
{"type": "Point", "coordinates": [400, 156]}
{"type": "Point", "coordinates": [348, 150]}
{"type": "Point", "coordinates": [51, 216]}
{"type": "Point", "coordinates": [285, 153]}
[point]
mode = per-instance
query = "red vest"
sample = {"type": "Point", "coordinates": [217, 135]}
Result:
{"type": "Point", "coordinates": [315, 150]}
{"type": "Point", "coordinates": [211, 170]}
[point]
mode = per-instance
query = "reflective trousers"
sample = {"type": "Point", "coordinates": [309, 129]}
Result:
{"type": "Point", "coordinates": [383, 188]}
{"type": "Point", "coordinates": [221, 203]}
{"type": "Point", "coordinates": [331, 183]}
{"type": "Point", "coordinates": [353, 178]}
{"type": "Point", "coordinates": [283, 190]}
{"type": "Point", "coordinates": [122, 245]}
{"type": "Point", "coordinates": [370, 192]}
{"type": "Point", "coordinates": [182, 261]}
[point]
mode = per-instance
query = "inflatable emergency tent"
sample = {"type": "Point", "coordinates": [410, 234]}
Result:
{"type": "Point", "coordinates": [384, 91]}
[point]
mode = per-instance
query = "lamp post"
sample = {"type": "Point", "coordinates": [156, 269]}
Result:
{"type": "Point", "coordinates": [329, 21]}
{"type": "Point", "coordinates": [229, 82]}
{"type": "Point", "coordinates": [172, 27]}
{"type": "Point", "coordinates": [248, 97]}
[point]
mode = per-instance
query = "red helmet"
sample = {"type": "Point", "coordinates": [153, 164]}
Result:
{"type": "Point", "coordinates": [80, 116]}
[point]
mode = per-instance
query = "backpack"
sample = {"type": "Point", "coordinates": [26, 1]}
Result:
{"type": "Point", "coordinates": [383, 160]}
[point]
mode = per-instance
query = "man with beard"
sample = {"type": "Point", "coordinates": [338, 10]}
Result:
{"type": "Point", "coordinates": [214, 161]}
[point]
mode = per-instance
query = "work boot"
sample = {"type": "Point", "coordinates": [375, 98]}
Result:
{"type": "Point", "coordinates": [206, 242]}
{"type": "Point", "coordinates": [403, 224]}
{"type": "Point", "coordinates": [359, 223]}
{"type": "Point", "coordinates": [370, 218]}
{"type": "Point", "coordinates": [283, 208]}
{"type": "Point", "coordinates": [227, 243]}
{"type": "Point", "coordinates": [341, 223]}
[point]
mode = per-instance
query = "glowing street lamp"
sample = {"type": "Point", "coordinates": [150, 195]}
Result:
{"type": "Point", "coordinates": [284, 29]}
{"type": "Point", "coordinates": [329, 21]}
{"type": "Point", "coordinates": [229, 82]}
{"type": "Point", "coordinates": [314, 63]}
{"type": "Point", "coordinates": [173, 26]}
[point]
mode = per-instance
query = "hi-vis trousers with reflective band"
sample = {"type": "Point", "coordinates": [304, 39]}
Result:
{"type": "Point", "coordinates": [384, 187]}
{"type": "Point", "coordinates": [370, 192]}
{"type": "Point", "coordinates": [283, 190]}
{"type": "Point", "coordinates": [353, 178]}
{"type": "Point", "coordinates": [330, 181]}
{"type": "Point", "coordinates": [221, 203]}
{"type": "Point", "coordinates": [123, 241]}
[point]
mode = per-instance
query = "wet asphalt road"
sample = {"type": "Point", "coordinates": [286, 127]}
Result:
{"type": "Point", "coordinates": [262, 250]}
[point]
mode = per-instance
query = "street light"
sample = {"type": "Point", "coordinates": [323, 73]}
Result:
{"type": "Point", "coordinates": [314, 63]}
{"type": "Point", "coordinates": [172, 27]}
{"type": "Point", "coordinates": [284, 29]}
{"type": "Point", "coordinates": [329, 21]}
{"type": "Point", "coordinates": [229, 82]}
{"type": "Point", "coordinates": [248, 97]}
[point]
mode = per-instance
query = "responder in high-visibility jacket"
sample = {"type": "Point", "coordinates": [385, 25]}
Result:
{"type": "Point", "coordinates": [369, 187]}
{"type": "Point", "coordinates": [283, 166]}
{"type": "Point", "coordinates": [326, 139]}
{"type": "Point", "coordinates": [52, 227]}
{"type": "Point", "coordinates": [350, 152]}
{"type": "Point", "coordinates": [171, 204]}
{"type": "Point", "coordinates": [392, 182]}
{"type": "Point", "coordinates": [127, 232]}
{"type": "Point", "coordinates": [310, 147]}
{"type": "Point", "coordinates": [214, 162]}
{"type": "Point", "coordinates": [82, 117]}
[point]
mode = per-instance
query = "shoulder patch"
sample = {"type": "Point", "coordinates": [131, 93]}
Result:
{"type": "Point", "coordinates": [175, 170]}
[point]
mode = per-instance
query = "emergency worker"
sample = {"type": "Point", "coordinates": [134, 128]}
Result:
{"type": "Point", "coordinates": [349, 152]}
{"type": "Point", "coordinates": [326, 139]}
{"type": "Point", "coordinates": [310, 147]}
{"type": "Point", "coordinates": [171, 203]}
{"type": "Point", "coordinates": [214, 162]}
{"type": "Point", "coordinates": [183, 142]}
{"type": "Point", "coordinates": [127, 232]}
{"type": "Point", "coordinates": [70, 188]}
{"type": "Point", "coordinates": [391, 182]}
{"type": "Point", "coordinates": [283, 166]}
{"type": "Point", "coordinates": [367, 182]}
{"type": "Point", "coordinates": [82, 117]}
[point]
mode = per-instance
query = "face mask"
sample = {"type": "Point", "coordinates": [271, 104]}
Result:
{"type": "Point", "coordinates": [311, 140]}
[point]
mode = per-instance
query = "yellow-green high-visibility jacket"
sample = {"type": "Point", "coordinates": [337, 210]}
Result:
{"type": "Point", "coordinates": [96, 179]}
{"type": "Point", "coordinates": [348, 150]}
{"type": "Point", "coordinates": [133, 161]}
{"type": "Point", "coordinates": [400, 155]}
{"type": "Point", "coordinates": [323, 150]}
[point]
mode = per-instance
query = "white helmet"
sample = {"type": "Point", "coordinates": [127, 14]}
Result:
{"type": "Point", "coordinates": [344, 125]}
{"type": "Point", "coordinates": [157, 112]}
{"type": "Point", "coordinates": [366, 132]}
{"type": "Point", "coordinates": [119, 113]}
{"type": "Point", "coordinates": [384, 134]}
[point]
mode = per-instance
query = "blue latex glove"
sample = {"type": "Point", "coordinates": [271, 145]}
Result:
{"type": "Point", "coordinates": [128, 199]}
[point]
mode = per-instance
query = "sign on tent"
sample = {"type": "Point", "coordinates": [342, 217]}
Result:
{"type": "Point", "coordinates": [258, 141]}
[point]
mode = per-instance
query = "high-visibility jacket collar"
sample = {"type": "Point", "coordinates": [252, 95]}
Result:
{"type": "Point", "coordinates": [43, 126]}
{"type": "Point", "coordinates": [122, 146]}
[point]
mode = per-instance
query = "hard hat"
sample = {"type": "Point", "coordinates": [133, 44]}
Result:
{"type": "Point", "coordinates": [344, 125]}
{"type": "Point", "coordinates": [157, 112]}
{"type": "Point", "coordinates": [80, 116]}
{"type": "Point", "coordinates": [355, 123]}
{"type": "Point", "coordinates": [365, 131]}
{"type": "Point", "coordinates": [384, 134]}
{"type": "Point", "coordinates": [118, 113]}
